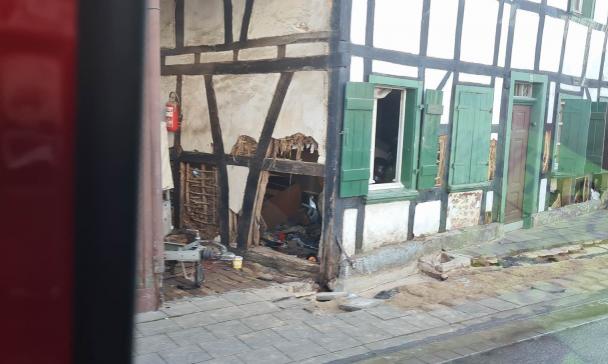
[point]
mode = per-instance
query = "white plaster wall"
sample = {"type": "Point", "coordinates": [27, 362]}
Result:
{"type": "Point", "coordinates": [243, 102]}
{"type": "Point", "coordinates": [567, 87]}
{"type": "Point", "coordinates": [601, 11]}
{"type": "Point", "coordinates": [447, 101]}
{"type": "Point", "coordinates": [306, 49]}
{"type": "Point", "coordinates": [504, 28]}
{"type": "Point", "coordinates": [442, 28]}
{"type": "Point", "coordinates": [358, 21]}
{"type": "Point", "coordinates": [249, 54]}
{"type": "Point", "coordinates": [542, 195]}
{"type": "Point", "coordinates": [604, 92]}
{"type": "Point", "coordinates": [305, 108]}
{"type": "Point", "coordinates": [575, 49]}
{"type": "Point", "coordinates": [524, 40]}
{"type": "Point", "coordinates": [237, 178]}
{"type": "Point", "coordinates": [593, 93]}
{"type": "Point", "coordinates": [550, 53]}
{"type": "Point", "coordinates": [426, 218]}
{"type": "Point", "coordinates": [274, 18]}
{"type": "Point", "coordinates": [551, 102]}
{"type": "Point", "coordinates": [595, 55]}
{"type": "Point", "coordinates": [238, 10]}
{"type": "Point", "coordinates": [394, 69]}
{"type": "Point", "coordinates": [468, 77]}
{"type": "Point", "coordinates": [478, 31]}
{"type": "Point", "coordinates": [349, 231]}
{"type": "Point", "coordinates": [432, 78]}
{"type": "Point", "coordinates": [167, 23]}
{"type": "Point", "coordinates": [222, 56]}
{"type": "Point", "coordinates": [196, 131]}
{"type": "Point", "coordinates": [397, 25]}
{"type": "Point", "coordinates": [203, 22]}
{"type": "Point", "coordinates": [497, 98]}
{"type": "Point", "coordinates": [385, 223]}
{"type": "Point", "coordinates": [489, 200]}
{"type": "Point", "coordinates": [356, 69]}
{"type": "Point", "coordinates": [179, 59]}
{"type": "Point", "coordinates": [561, 4]}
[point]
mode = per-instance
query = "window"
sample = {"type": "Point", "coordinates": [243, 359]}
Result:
{"type": "Point", "coordinates": [388, 149]}
{"type": "Point", "coordinates": [585, 8]}
{"type": "Point", "coordinates": [469, 160]}
{"type": "Point", "coordinates": [387, 138]}
{"type": "Point", "coordinates": [523, 89]}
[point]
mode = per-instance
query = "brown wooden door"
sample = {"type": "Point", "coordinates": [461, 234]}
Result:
{"type": "Point", "coordinates": [517, 163]}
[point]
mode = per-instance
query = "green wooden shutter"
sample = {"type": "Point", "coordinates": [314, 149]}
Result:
{"type": "Point", "coordinates": [595, 140]}
{"type": "Point", "coordinates": [573, 136]}
{"type": "Point", "coordinates": [481, 139]}
{"type": "Point", "coordinates": [429, 143]}
{"type": "Point", "coordinates": [356, 139]}
{"type": "Point", "coordinates": [588, 8]}
{"type": "Point", "coordinates": [471, 135]}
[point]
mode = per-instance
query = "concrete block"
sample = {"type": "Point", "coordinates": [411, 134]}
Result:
{"type": "Point", "coordinates": [191, 336]}
{"type": "Point", "coordinates": [261, 322]}
{"type": "Point", "coordinates": [336, 341]}
{"type": "Point", "coordinates": [148, 359]}
{"type": "Point", "coordinates": [330, 296]}
{"type": "Point", "coordinates": [224, 347]}
{"type": "Point", "coordinates": [359, 303]}
{"type": "Point", "coordinates": [263, 356]}
{"type": "Point", "coordinates": [260, 339]}
{"type": "Point", "coordinates": [185, 355]}
{"type": "Point", "coordinates": [157, 327]}
{"type": "Point", "coordinates": [258, 308]}
{"type": "Point", "coordinates": [194, 319]}
{"type": "Point", "coordinates": [300, 349]}
{"type": "Point", "coordinates": [228, 329]}
{"type": "Point", "coordinates": [153, 344]}
{"type": "Point", "coordinates": [211, 303]}
{"type": "Point", "coordinates": [150, 316]}
{"type": "Point", "coordinates": [180, 308]}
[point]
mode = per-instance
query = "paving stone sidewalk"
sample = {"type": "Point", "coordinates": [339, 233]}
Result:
{"type": "Point", "coordinates": [272, 325]}
{"type": "Point", "coordinates": [584, 228]}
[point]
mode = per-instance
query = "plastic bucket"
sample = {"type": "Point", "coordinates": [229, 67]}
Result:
{"type": "Point", "coordinates": [237, 262]}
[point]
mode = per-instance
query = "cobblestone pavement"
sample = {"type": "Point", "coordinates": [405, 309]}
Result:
{"type": "Point", "coordinates": [273, 325]}
{"type": "Point", "coordinates": [591, 226]}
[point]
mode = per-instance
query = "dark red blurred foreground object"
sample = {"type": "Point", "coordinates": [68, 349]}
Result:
{"type": "Point", "coordinates": [37, 113]}
{"type": "Point", "coordinates": [68, 168]}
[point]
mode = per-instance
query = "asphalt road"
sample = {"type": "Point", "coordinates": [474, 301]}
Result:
{"type": "Point", "coordinates": [583, 344]}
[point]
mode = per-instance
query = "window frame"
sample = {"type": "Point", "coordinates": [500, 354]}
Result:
{"type": "Point", "coordinates": [399, 163]}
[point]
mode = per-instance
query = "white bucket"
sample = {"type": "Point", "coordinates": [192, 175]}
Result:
{"type": "Point", "coordinates": [237, 262]}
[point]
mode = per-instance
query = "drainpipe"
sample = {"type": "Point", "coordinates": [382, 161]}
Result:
{"type": "Point", "coordinates": [150, 263]}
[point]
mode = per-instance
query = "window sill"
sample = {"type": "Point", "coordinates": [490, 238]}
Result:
{"type": "Point", "coordinates": [469, 186]}
{"type": "Point", "coordinates": [390, 195]}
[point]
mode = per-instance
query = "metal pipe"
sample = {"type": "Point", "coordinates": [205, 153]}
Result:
{"type": "Point", "coordinates": [150, 236]}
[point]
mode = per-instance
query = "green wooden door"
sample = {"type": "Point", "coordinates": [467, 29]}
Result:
{"type": "Point", "coordinates": [356, 139]}
{"type": "Point", "coordinates": [471, 135]}
{"type": "Point", "coordinates": [573, 136]}
{"type": "Point", "coordinates": [429, 142]}
{"type": "Point", "coordinates": [595, 140]}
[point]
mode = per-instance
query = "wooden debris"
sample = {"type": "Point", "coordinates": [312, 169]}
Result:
{"type": "Point", "coordinates": [546, 151]}
{"type": "Point", "coordinates": [244, 146]}
{"type": "Point", "coordinates": [283, 147]}
{"type": "Point", "coordinates": [492, 160]}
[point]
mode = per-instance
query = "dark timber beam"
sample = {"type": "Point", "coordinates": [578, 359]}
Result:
{"type": "Point", "coordinates": [255, 167]}
{"type": "Point", "coordinates": [269, 164]}
{"type": "Point", "coordinates": [257, 66]}
{"type": "Point", "coordinates": [218, 150]}
{"type": "Point", "coordinates": [251, 43]}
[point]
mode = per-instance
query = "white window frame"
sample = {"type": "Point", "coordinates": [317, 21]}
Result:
{"type": "Point", "coordinates": [577, 9]}
{"type": "Point", "coordinates": [397, 182]}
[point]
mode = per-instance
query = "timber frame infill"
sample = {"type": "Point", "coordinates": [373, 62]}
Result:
{"type": "Point", "coordinates": [335, 63]}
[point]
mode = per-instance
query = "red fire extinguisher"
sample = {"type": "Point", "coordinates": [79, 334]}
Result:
{"type": "Point", "coordinates": [172, 112]}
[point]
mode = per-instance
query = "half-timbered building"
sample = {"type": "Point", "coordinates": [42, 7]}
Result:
{"type": "Point", "coordinates": [398, 126]}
